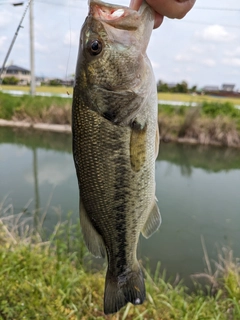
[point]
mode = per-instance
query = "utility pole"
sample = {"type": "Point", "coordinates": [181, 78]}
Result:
{"type": "Point", "coordinates": [32, 67]}
{"type": "Point", "coordinates": [14, 38]}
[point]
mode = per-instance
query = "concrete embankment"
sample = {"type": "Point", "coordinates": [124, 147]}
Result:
{"type": "Point", "coordinates": [38, 126]}
{"type": "Point", "coordinates": [230, 139]}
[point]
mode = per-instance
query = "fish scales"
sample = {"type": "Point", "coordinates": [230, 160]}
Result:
{"type": "Point", "coordinates": [115, 141]}
{"type": "Point", "coordinates": [114, 186]}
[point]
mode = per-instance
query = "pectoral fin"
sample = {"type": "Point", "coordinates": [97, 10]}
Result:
{"type": "Point", "coordinates": [91, 237]}
{"type": "Point", "coordinates": [138, 147]}
{"type": "Point", "coordinates": [153, 222]}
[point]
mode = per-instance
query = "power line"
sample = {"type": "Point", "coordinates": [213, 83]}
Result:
{"type": "Point", "coordinates": [14, 38]}
{"type": "Point", "coordinates": [218, 9]}
{"type": "Point", "coordinates": [196, 7]}
{"type": "Point", "coordinates": [13, 4]}
{"type": "Point", "coordinates": [81, 2]}
{"type": "Point", "coordinates": [60, 4]}
{"type": "Point", "coordinates": [208, 23]}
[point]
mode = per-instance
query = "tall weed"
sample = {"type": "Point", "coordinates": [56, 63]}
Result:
{"type": "Point", "coordinates": [46, 280]}
{"type": "Point", "coordinates": [215, 109]}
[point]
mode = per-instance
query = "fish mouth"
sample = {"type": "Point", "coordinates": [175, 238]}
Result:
{"type": "Point", "coordinates": [119, 16]}
{"type": "Point", "coordinates": [105, 11]}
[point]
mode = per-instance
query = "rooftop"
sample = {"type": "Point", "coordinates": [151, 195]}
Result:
{"type": "Point", "coordinates": [16, 68]}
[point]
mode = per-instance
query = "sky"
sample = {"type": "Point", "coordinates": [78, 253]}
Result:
{"type": "Point", "coordinates": [203, 48]}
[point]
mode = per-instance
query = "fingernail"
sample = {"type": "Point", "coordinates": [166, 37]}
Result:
{"type": "Point", "coordinates": [133, 4]}
{"type": "Point", "coordinates": [158, 20]}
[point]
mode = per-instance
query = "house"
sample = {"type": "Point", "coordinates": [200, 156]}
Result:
{"type": "Point", "coordinates": [20, 73]}
{"type": "Point", "coordinates": [210, 88]}
{"type": "Point", "coordinates": [58, 82]}
{"type": "Point", "coordinates": [228, 87]}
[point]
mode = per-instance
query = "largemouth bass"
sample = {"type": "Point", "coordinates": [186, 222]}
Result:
{"type": "Point", "coordinates": [115, 143]}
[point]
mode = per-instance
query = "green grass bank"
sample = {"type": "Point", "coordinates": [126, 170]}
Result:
{"type": "Point", "coordinates": [211, 123]}
{"type": "Point", "coordinates": [161, 95]}
{"type": "Point", "coordinates": [49, 280]}
{"type": "Point", "coordinates": [215, 121]}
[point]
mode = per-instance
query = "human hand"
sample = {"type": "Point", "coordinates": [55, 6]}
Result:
{"type": "Point", "coordinates": [169, 8]}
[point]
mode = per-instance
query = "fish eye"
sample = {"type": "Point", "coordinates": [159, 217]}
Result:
{"type": "Point", "coordinates": [95, 47]}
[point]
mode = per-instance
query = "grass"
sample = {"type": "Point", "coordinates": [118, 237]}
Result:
{"type": "Point", "coordinates": [49, 89]}
{"type": "Point", "coordinates": [162, 96]}
{"type": "Point", "coordinates": [35, 109]}
{"type": "Point", "coordinates": [213, 122]}
{"type": "Point", "coordinates": [48, 280]}
{"type": "Point", "coordinates": [196, 98]}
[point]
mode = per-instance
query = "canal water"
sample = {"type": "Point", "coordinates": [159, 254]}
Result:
{"type": "Point", "coordinates": [198, 189]}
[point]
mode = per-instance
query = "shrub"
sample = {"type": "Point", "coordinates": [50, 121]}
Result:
{"type": "Point", "coordinates": [215, 109]}
{"type": "Point", "coordinates": [10, 80]}
{"type": "Point", "coordinates": [170, 109]}
{"type": "Point", "coordinates": [7, 105]}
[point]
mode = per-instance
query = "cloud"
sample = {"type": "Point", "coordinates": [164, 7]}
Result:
{"type": "Point", "coordinates": [177, 70]}
{"type": "Point", "coordinates": [233, 53]}
{"type": "Point", "coordinates": [62, 67]}
{"type": "Point", "coordinates": [197, 49]}
{"type": "Point", "coordinates": [190, 69]}
{"type": "Point", "coordinates": [183, 58]}
{"type": "Point", "coordinates": [215, 33]}
{"type": "Point", "coordinates": [6, 18]}
{"type": "Point", "coordinates": [235, 72]}
{"type": "Point", "coordinates": [2, 42]}
{"type": "Point", "coordinates": [71, 38]}
{"type": "Point", "coordinates": [50, 172]}
{"type": "Point", "coordinates": [234, 62]}
{"type": "Point", "coordinates": [41, 48]}
{"type": "Point", "coordinates": [209, 62]}
{"type": "Point", "coordinates": [155, 64]}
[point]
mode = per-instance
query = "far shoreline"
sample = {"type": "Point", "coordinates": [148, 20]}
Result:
{"type": "Point", "coordinates": [64, 128]}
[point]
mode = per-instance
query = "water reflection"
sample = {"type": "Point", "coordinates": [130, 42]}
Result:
{"type": "Point", "coordinates": [35, 176]}
{"type": "Point", "coordinates": [197, 188]}
{"type": "Point", "coordinates": [199, 156]}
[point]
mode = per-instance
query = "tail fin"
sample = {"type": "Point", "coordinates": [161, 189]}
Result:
{"type": "Point", "coordinates": [128, 287]}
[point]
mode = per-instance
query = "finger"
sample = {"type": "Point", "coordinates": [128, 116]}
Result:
{"type": "Point", "coordinates": [135, 4]}
{"type": "Point", "coordinates": [158, 20]}
{"type": "Point", "coordinates": [172, 8]}
{"type": "Point", "coordinates": [183, 7]}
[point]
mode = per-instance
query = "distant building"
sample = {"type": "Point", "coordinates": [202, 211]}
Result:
{"type": "Point", "coordinates": [171, 85]}
{"type": "Point", "coordinates": [228, 87]}
{"type": "Point", "coordinates": [20, 73]}
{"type": "Point", "coordinates": [210, 88]}
{"type": "Point", "coordinates": [68, 82]}
{"type": "Point", "coordinates": [58, 82]}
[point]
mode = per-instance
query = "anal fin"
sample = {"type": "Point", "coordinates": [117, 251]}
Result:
{"type": "Point", "coordinates": [153, 222]}
{"type": "Point", "coordinates": [92, 238]}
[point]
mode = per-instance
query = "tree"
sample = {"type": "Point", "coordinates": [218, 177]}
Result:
{"type": "Point", "coordinates": [182, 87]}
{"type": "Point", "coordinates": [193, 89]}
{"type": "Point", "coordinates": [10, 81]}
{"type": "Point", "coordinates": [162, 86]}
{"type": "Point", "coordinates": [55, 82]}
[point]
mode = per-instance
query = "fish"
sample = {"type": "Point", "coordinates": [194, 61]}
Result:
{"type": "Point", "coordinates": [115, 143]}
